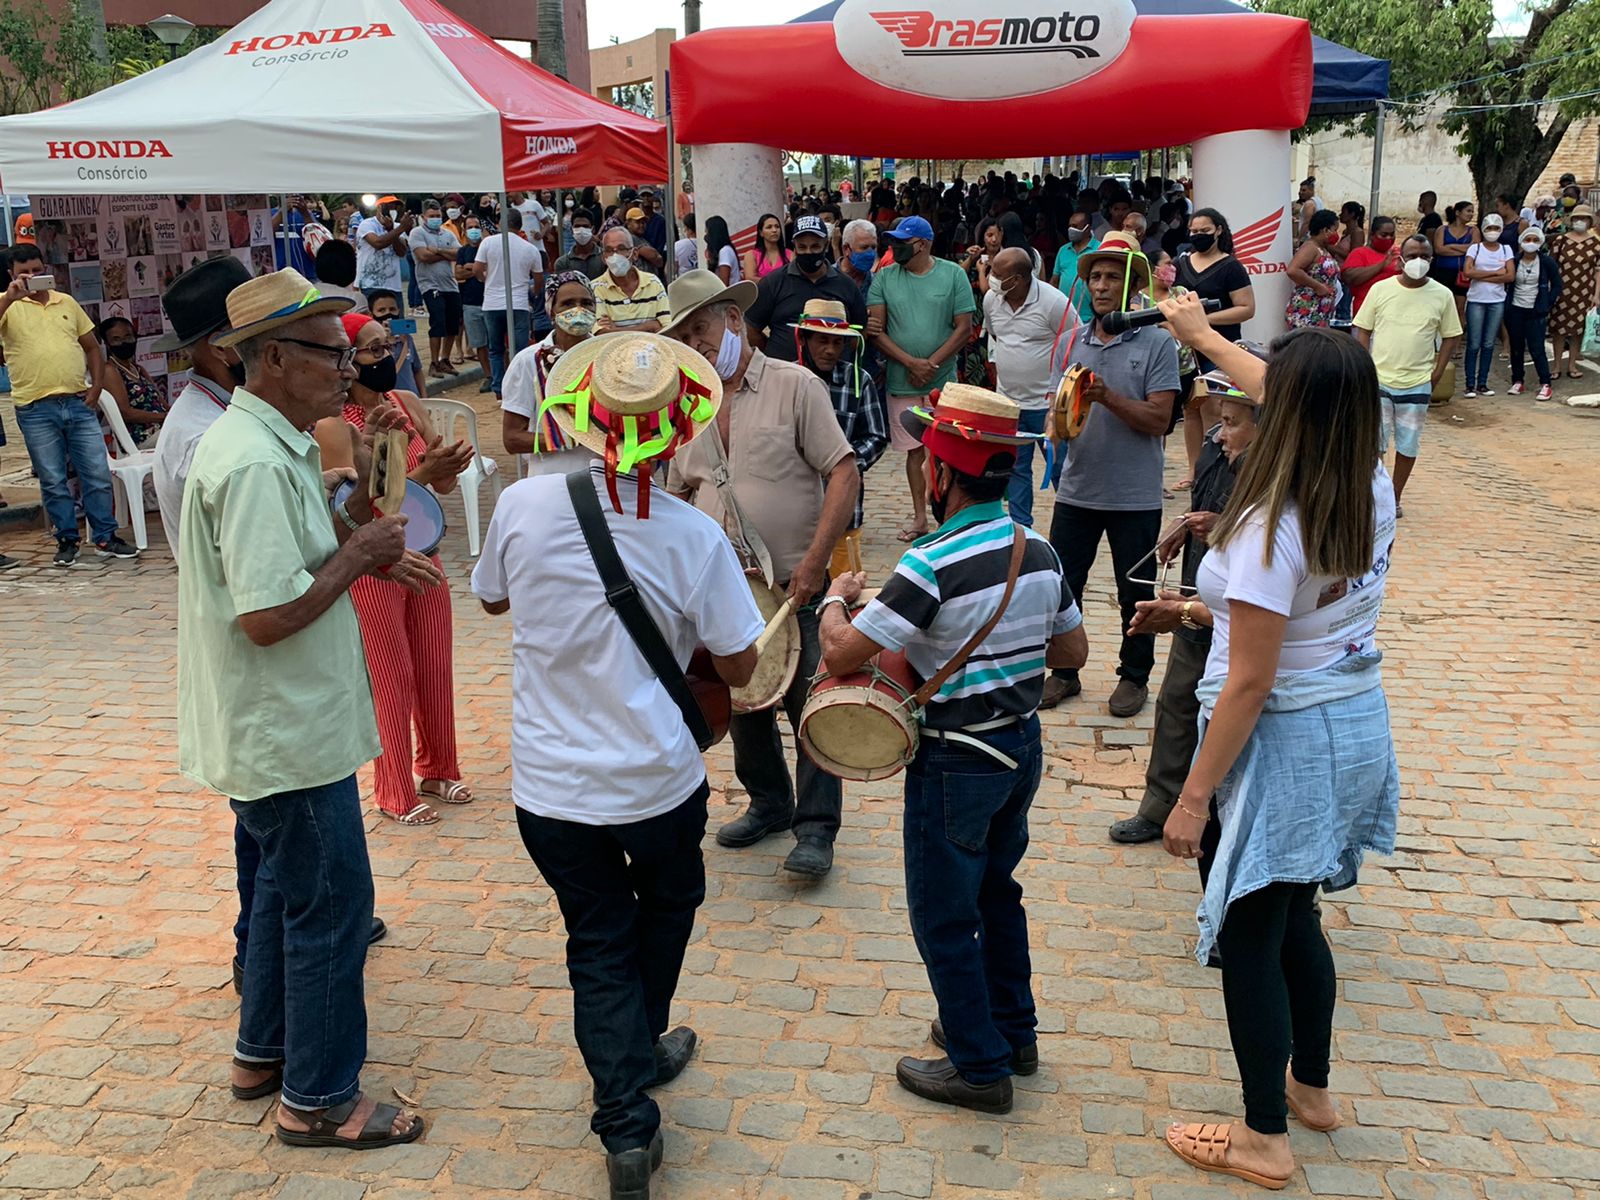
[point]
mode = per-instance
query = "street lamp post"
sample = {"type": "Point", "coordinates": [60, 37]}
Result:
{"type": "Point", "coordinates": [173, 32]}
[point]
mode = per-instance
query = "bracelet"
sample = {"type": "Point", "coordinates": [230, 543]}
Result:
{"type": "Point", "coordinates": [1189, 812]}
{"type": "Point", "coordinates": [340, 511]}
{"type": "Point", "coordinates": [1184, 618]}
{"type": "Point", "coordinates": [831, 599]}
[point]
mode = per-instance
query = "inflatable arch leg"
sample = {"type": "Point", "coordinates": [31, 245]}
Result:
{"type": "Point", "coordinates": [1245, 176]}
{"type": "Point", "coordinates": [737, 182]}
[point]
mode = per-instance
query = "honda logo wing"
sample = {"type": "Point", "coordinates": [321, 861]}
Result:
{"type": "Point", "coordinates": [1255, 239]}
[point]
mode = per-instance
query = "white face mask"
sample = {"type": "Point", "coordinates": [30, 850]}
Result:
{"type": "Point", "coordinates": [1491, 235]}
{"type": "Point", "coordinates": [997, 285]}
{"type": "Point", "coordinates": [1416, 268]}
{"type": "Point", "coordinates": [619, 264]}
{"type": "Point", "coordinates": [1532, 247]}
{"type": "Point", "coordinates": [1581, 225]}
{"type": "Point", "coordinates": [728, 354]}
{"type": "Point", "coordinates": [583, 235]}
{"type": "Point", "coordinates": [452, 213]}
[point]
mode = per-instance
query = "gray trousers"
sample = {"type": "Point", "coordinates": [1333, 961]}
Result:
{"type": "Point", "coordinates": [1176, 733]}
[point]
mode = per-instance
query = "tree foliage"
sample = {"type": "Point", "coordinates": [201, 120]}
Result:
{"type": "Point", "coordinates": [1451, 56]}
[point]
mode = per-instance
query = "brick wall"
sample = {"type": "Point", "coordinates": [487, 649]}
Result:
{"type": "Point", "coordinates": [1579, 152]}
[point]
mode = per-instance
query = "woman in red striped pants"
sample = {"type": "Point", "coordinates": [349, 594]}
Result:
{"type": "Point", "coordinates": [407, 635]}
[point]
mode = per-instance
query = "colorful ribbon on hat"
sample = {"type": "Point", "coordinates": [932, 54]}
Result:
{"type": "Point", "coordinates": [654, 435]}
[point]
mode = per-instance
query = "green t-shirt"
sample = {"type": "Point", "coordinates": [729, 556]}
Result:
{"type": "Point", "coordinates": [1066, 269]}
{"type": "Point", "coordinates": [918, 312]}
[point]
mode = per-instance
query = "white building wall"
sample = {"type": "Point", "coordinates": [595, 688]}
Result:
{"type": "Point", "coordinates": [1413, 162]}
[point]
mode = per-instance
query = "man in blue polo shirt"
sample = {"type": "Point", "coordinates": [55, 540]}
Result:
{"type": "Point", "coordinates": [1111, 486]}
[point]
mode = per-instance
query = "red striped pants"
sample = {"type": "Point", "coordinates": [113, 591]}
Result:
{"type": "Point", "coordinates": [407, 637]}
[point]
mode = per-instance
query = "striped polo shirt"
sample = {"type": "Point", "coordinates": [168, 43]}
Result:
{"type": "Point", "coordinates": [648, 302]}
{"type": "Point", "coordinates": [946, 587]}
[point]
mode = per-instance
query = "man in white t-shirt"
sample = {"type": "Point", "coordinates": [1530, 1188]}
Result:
{"type": "Point", "coordinates": [527, 267]}
{"type": "Point", "coordinates": [535, 217]}
{"type": "Point", "coordinates": [609, 786]}
{"type": "Point", "coordinates": [381, 245]}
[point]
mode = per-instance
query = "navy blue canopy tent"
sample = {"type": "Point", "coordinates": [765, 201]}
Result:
{"type": "Point", "coordinates": [1344, 81]}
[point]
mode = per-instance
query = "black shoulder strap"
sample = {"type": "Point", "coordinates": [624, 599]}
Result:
{"type": "Point", "coordinates": [623, 596]}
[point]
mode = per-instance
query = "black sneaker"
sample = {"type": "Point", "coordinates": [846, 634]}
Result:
{"type": "Point", "coordinates": [7, 563]}
{"type": "Point", "coordinates": [67, 552]}
{"type": "Point", "coordinates": [115, 547]}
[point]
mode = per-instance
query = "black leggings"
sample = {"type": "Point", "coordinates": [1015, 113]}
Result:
{"type": "Point", "coordinates": [1278, 986]}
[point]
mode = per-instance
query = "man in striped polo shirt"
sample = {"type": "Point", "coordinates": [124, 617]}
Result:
{"type": "Point", "coordinates": [626, 297]}
{"type": "Point", "coordinates": [979, 760]}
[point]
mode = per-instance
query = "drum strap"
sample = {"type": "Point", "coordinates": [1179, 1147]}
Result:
{"type": "Point", "coordinates": [929, 690]}
{"type": "Point", "coordinates": [743, 534]}
{"type": "Point", "coordinates": [623, 596]}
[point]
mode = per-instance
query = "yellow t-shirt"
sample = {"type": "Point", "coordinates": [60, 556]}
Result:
{"type": "Point", "coordinates": [1406, 324]}
{"type": "Point", "coordinates": [42, 348]}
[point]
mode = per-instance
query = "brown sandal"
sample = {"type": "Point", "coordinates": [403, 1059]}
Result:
{"type": "Point", "coordinates": [326, 1123]}
{"type": "Point", "coordinates": [272, 1083]}
{"type": "Point", "coordinates": [1206, 1147]}
{"type": "Point", "coordinates": [1295, 1109]}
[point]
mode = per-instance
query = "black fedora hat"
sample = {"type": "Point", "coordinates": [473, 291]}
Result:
{"type": "Point", "coordinates": [197, 301]}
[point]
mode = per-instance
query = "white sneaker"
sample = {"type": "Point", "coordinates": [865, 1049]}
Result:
{"type": "Point", "coordinates": [1486, 391]}
{"type": "Point", "coordinates": [1471, 395]}
{"type": "Point", "coordinates": [1516, 389]}
{"type": "Point", "coordinates": [1544, 393]}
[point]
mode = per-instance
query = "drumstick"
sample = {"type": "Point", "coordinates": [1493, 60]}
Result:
{"type": "Point", "coordinates": [853, 548]}
{"type": "Point", "coordinates": [772, 626]}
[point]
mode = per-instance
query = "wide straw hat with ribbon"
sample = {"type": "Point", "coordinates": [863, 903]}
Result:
{"type": "Point", "coordinates": [968, 425]}
{"type": "Point", "coordinates": [633, 399]}
{"type": "Point", "coordinates": [826, 316]}
{"type": "Point", "coordinates": [270, 301]}
{"type": "Point", "coordinates": [1122, 249]}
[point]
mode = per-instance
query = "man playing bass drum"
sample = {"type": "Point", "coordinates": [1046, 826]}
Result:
{"type": "Point", "coordinates": [979, 757]}
{"type": "Point", "coordinates": [609, 785]}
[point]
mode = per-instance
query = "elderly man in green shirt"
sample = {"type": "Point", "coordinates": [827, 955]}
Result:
{"type": "Point", "coordinates": [274, 707]}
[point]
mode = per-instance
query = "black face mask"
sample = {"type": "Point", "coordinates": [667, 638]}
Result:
{"type": "Point", "coordinates": [236, 370]}
{"type": "Point", "coordinates": [904, 252]}
{"type": "Point", "coordinates": [379, 376]}
{"type": "Point", "coordinates": [1202, 241]}
{"type": "Point", "coordinates": [810, 263]}
{"type": "Point", "coordinates": [122, 350]}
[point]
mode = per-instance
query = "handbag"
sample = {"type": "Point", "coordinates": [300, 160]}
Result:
{"type": "Point", "coordinates": [704, 700]}
{"type": "Point", "coordinates": [1591, 334]}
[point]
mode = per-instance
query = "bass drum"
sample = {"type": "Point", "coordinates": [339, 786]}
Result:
{"type": "Point", "coordinates": [862, 726]}
{"type": "Point", "coordinates": [779, 662]}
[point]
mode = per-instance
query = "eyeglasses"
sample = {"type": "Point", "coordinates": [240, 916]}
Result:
{"type": "Point", "coordinates": [380, 349]}
{"type": "Point", "coordinates": [346, 355]}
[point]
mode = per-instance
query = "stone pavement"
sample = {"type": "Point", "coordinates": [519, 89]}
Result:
{"type": "Point", "coordinates": [1468, 1037]}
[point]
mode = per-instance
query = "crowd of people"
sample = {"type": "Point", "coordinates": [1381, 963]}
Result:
{"type": "Point", "coordinates": [693, 436]}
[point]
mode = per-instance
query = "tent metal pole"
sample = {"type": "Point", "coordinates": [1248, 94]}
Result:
{"type": "Point", "coordinates": [1377, 158]}
{"type": "Point", "coordinates": [511, 311]}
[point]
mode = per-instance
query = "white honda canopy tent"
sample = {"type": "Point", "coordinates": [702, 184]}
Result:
{"type": "Point", "coordinates": [335, 96]}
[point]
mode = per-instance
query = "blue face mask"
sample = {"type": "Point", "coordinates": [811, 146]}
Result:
{"type": "Point", "coordinates": [863, 260]}
{"type": "Point", "coordinates": [433, 224]}
{"type": "Point", "coordinates": [474, 235]}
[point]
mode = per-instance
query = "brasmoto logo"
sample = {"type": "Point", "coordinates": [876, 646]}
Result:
{"type": "Point", "coordinates": [1252, 243]}
{"type": "Point", "coordinates": [981, 49]}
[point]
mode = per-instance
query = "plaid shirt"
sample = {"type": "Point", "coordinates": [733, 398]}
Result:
{"type": "Point", "coordinates": [863, 417]}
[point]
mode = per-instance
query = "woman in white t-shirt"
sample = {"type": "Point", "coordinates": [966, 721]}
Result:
{"type": "Point", "coordinates": [1295, 777]}
{"type": "Point", "coordinates": [1488, 266]}
{"type": "Point", "coordinates": [721, 257]}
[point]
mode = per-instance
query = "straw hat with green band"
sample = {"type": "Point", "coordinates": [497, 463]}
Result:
{"type": "Point", "coordinates": [271, 301]}
{"type": "Point", "coordinates": [633, 399]}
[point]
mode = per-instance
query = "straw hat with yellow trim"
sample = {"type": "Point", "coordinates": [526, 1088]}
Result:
{"type": "Point", "coordinates": [270, 301]}
{"type": "Point", "coordinates": [632, 399]}
{"type": "Point", "coordinates": [1120, 248]}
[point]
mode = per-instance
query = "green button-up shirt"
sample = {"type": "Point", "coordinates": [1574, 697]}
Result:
{"type": "Point", "coordinates": [257, 720]}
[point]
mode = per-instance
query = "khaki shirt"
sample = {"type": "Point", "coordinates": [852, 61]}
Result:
{"type": "Point", "coordinates": [253, 720]}
{"type": "Point", "coordinates": [785, 441]}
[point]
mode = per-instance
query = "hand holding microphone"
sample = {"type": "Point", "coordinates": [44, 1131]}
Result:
{"type": "Point", "coordinates": [1121, 322]}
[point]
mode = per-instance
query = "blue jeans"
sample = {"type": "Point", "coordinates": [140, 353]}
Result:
{"type": "Point", "coordinates": [495, 320]}
{"type": "Point", "coordinates": [1483, 327]}
{"type": "Point", "coordinates": [966, 829]}
{"type": "Point", "coordinates": [246, 862]}
{"type": "Point", "coordinates": [1019, 495]}
{"type": "Point", "coordinates": [628, 895]}
{"type": "Point", "coordinates": [62, 429]}
{"type": "Point", "coordinates": [309, 922]}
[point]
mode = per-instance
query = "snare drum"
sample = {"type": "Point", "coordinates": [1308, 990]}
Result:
{"type": "Point", "coordinates": [862, 726]}
{"type": "Point", "coordinates": [424, 515]}
{"type": "Point", "coordinates": [1071, 408]}
{"type": "Point", "coordinates": [776, 668]}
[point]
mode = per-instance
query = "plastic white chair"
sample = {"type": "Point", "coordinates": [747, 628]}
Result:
{"type": "Point", "coordinates": [130, 468]}
{"type": "Point", "coordinates": [445, 414]}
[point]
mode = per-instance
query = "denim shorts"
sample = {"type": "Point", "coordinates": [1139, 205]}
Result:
{"type": "Point", "coordinates": [477, 328]}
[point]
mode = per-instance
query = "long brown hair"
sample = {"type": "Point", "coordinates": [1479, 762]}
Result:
{"type": "Point", "coordinates": [1317, 446]}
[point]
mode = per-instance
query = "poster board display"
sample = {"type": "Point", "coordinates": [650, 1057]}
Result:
{"type": "Point", "coordinates": [116, 255]}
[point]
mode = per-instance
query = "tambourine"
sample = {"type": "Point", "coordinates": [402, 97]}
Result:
{"type": "Point", "coordinates": [1071, 407]}
{"type": "Point", "coordinates": [424, 514]}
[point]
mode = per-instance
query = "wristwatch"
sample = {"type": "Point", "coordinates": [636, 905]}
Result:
{"type": "Point", "coordinates": [1184, 618]}
{"type": "Point", "coordinates": [827, 600]}
{"type": "Point", "coordinates": [340, 511]}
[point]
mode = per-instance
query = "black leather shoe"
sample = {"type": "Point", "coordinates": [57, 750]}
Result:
{"type": "Point", "coordinates": [630, 1170]}
{"type": "Point", "coordinates": [1127, 698]}
{"type": "Point", "coordinates": [940, 1082]}
{"type": "Point", "coordinates": [1135, 830]}
{"type": "Point", "coordinates": [378, 932]}
{"type": "Point", "coordinates": [749, 828]}
{"type": "Point", "coordinates": [1023, 1062]}
{"type": "Point", "coordinates": [1057, 689]}
{"type": "Point", "coordinates": [673, 1053]}
{"type": "Point", "coordinates": [811, 857]}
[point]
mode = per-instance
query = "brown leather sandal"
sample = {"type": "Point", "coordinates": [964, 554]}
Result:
{"type": "Point", "coordinates": [325, 1124]}
{"type": "Point", "coordinates": [272, 1083]}
{"type": "Point", "coordinates": [1206, 1147]}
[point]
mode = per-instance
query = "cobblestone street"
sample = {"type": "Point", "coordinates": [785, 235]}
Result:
{"type": "Point", "coordinates": [1467, 1043]}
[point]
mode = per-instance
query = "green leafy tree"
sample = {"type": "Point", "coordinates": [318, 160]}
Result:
{"type": "Point", "coordinates": [1510, 98]}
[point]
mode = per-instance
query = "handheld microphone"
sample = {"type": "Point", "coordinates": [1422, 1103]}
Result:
{"type": "Point", "coordinates": [1121, 322]}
